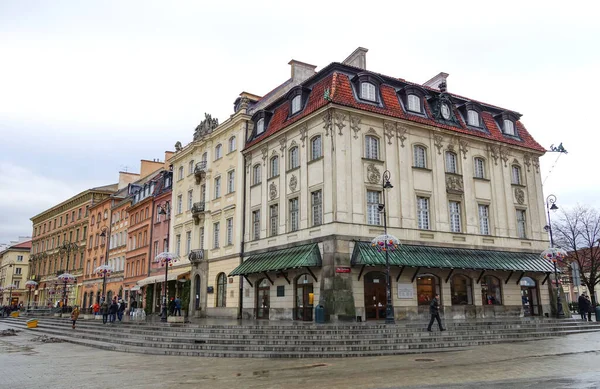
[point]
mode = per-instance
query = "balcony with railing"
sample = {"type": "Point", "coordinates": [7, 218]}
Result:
{"type": "Point", "coordinates": [198, 210]}
{"type": "Point", "coordinates": [196, 256]}
{"type": "Point", "coordinates": [200, 171]}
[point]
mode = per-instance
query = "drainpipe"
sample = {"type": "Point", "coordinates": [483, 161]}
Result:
{"type": "Point", "coordinates": [241, 297]}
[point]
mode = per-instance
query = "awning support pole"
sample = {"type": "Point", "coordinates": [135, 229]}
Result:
{"type": "Point", "coordinates": [268, 278]}
{"type": "Point", "coordinates": [480, 275]}
{"type": "Point", "coordinates": [399, 274]}
{"type": "Point", "coordinates": [249, 283]}
{"type": "Point", "coordinates": [362, 269]}
{"type": "Point", "coordinates": [449, 275]}
{"type": "Point", "coordinates": [312, 274]}
{"type": "Point", "coordinates": [415, 275]}
{"type": "Point", "coordinates": [546, 278]}
{"type": "Point", "coordinates": [285, 276]}
{"type": "Point", "coordinates": [510, 275]}
{"type": "Point", "coordinates": [521, 276]}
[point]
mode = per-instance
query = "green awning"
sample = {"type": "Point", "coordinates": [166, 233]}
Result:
{"type": "Point", "coordinates": [279, 260]}
{"type": "Point", "coordinates": [450, 258]}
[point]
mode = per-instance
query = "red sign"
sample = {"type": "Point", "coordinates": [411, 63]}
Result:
{"type": "Point", "coordinates": [342, 270]}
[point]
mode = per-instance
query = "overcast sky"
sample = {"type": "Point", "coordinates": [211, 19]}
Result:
{"type": "Point", "coordinates": [88, 88]}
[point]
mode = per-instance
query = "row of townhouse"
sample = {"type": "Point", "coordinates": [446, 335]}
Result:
{"type": "Point", "coordinates": [271, 212]}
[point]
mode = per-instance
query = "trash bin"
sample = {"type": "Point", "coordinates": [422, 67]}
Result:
{"type": "Point", "coordinates": [319, 314]}
{"type": "Point", "coordinates": [597, 312]}
{"type": "Point", "coordinates": [32, 323]}
{"type": "Point", "coordinates": [14, 314]}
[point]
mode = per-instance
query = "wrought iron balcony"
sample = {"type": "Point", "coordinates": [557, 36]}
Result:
{"type": "Point", "coordinates": [198, 211]}
{"type": "Point", "coordinates": [197, 256]}
{"type": "Point", "coordinates": [200, 171]}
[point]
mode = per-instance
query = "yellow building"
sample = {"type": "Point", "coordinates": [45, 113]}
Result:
{"type": "Point", "coordinates": [14, 273]}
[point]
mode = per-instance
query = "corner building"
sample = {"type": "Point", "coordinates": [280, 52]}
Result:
{"type": "Point", "coordinates": [466, 202]}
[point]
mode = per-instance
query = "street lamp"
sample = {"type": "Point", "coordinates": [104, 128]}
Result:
{"type": "Point", "coordinates": [386, 243]}
{"type": "Point", "coordinates": [104, 270]}
{"type": "Point", "coordinates": [30, 285]}
{"type": "Point", "coordinates": [554, 254]}
{"type": "Point", "coordinates": [10, 288]}
{"type": "Point", "coordinates": [165, 259]}
{"type": "Point", "coordinates": [66, 248]}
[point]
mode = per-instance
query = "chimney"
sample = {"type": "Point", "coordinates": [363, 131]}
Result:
{"type": "Point", "coordinates": [358, 58]}
{"type": "Point", "coordinates": [168, 155]}
{"type": "Point", "coordinates": [301, 71]}
{"type": "Point", "coordinates": [126, 178]}
{"type": "Point", "coordinates": [149, 167]}
{"type": "Point", "coordinates": [437, 80]}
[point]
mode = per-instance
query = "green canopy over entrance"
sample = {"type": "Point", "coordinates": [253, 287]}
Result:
{"type": "Point", "coordinates": [279, 260]}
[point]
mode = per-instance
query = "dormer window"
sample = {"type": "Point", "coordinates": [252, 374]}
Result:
{"type": "Point", "coordinates": [473, 118]}
{"type": "Point", "coordinates": [509, 127]}
{"type": "Point", "coordinates": [413, 99]}
{"type": "Point", "coordinates": [260, 126]}
{"type": "Point", "coordinates": [296, 104]}
{"type": "Point", "coordinates": [297, 98]}
{"type": "Point", "coordinates": [367, 91]}
{"type": "Point", "coordinates": [414, 103]}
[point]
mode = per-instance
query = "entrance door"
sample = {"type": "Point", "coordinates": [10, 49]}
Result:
{"type": "Point", "coordinates": [304, 303]}
{"type": "Point", "coordinates": [197, 294]}
{"type": "Point", "coordinates": [263, 300]}
{"type": "Point", "coordinates": [529, 297]}
{"type": "Point", "coordinates": [375, 298]}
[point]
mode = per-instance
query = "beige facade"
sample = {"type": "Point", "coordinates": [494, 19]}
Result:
{"type": "Point", "coordinates": [14, 273]}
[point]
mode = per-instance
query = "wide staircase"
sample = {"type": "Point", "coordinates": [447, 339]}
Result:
{"type": "Point", "coordinates": [291, 340]}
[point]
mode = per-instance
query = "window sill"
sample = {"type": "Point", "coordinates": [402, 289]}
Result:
{"type": "Point", "coordinates": [518, 185]}
{"type": "Point", "coordinates": [421, 168]}
{"type": "Point", "coordinates": [292, 169]}
{"type": "Point", "coordinates": [257, 184]}
{"type": "Point", "coordinates": [481, 179]}
{"type": "Point", "coordinates": [228, 246]}
{"type": "Point", "coordinates": [273, 177]}
{"type": "Point", "coordinates": [315, 160]}
{"type": "Point", "coordinates": [232, 151]}
{"type": "Point", "coordinates": [416, 113]}
{"type": "Point", "coordinates": [227, 195]}
{"type": "Point", "coordinates": [372, 160]}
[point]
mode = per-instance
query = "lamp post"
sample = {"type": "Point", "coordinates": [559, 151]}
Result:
{"type": "Point", "coordinates": [30, 285]}
{"type": "Point", "coordinates": [104, 270]}
{"type": "Point", "coordinates": [65, 277]}
{"type": "Point", "coordinates": [554, 254]}
{"type": "Point", "coordinates": [165, 259]}
{"type": "Point", "coordinates": [386, 243]}
{"type": "Point", "coordinates": [10, 289]}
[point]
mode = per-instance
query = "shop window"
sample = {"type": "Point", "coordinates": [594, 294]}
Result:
{"type": "Point", "coordinates": [491, 291]}
{"type": "Point", "coordinates": [461, 290]}
{"type": "Point", "coordinates": [427, 287]}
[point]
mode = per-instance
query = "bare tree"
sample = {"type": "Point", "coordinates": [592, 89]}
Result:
{"type": "Point", "coordinates": [578, 232]}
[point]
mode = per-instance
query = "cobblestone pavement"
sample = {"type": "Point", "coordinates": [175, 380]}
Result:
{"type": "Point", "coordinates": [568, 362]}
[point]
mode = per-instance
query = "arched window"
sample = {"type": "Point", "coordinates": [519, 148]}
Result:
{"type": "Point", "coordinates": [232, 144]}
{"type": "Point", "coordinates": [218, 151]}
{"type": "Point", "coordinates": [420, 157]}
{"type": "Point", "coordinates": [367, 91]}
{"type": "Point", "coordinates": [294, 157]}
{"type": "Point", "coordinates": [451, 165]}
{"type": "Point", "coordinates": [93, 219]}
{"type": "Point", "coordinates": [296, 104]}
{"type": "Point", "coordinates": [428, 286]}
{"type": "Point", "coordinates": [221, 290]}
{"type": "Point", "coordinates": [371, 147]}
{"type": "Point", "coordinates": [260, 126]}
{"type": "Point", "coordinates": [473, 118]}
{"type": "Point", "coordinates": [516, 175]}
{"type": "Point", "coordinates": [204, 157]}
{"type": "Point", "coordinates": [256, 176]}
{"type": "Point", "coordinates": [99, 219]}
{"type": "Point", "coordinates": [414, 103]}
{"type": "Point", "coordinates": [461, 290]}
{"type": "Point", "coordinates": [491, 292]}
{"type": "Point", "coordinates": [479, 168]}
{"type": "Point", "coordinates": [274, 166]}
{"type": "Point", "coordinates": [316, 149]}
{"type": "Point", "coordinates": [180, 173]}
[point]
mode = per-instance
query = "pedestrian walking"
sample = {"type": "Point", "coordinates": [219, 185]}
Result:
{"type": "Point", "coordinates": [96, 308]}
{"type": "Point", "coordinates": [104, 311]}
{"type": "Point", "coordinates": [177, 306]}
{"type": "Point", "coordinates": [582, 303]}
{"type": "Point", "coordinates": [120, 310]}
{"type": "Point", "coordinates": [133, 307]}
{"type": "Point", "coordinates": [171, 306]}
{"type": "Point", "coordinates": [590, 308]}
{"type": "Point", "coordinates": [75, 315]}
{"type": "Point", "coordinates": [434, 311]}
{"type": "Point", "coordinates": [112, 311]}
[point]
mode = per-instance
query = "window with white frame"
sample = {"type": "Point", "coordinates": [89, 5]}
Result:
{"type": "Point", "coordinates": [316, 149]}
{"type": "Point", "coordinates": [273, 219]}
{"type": "Point", "coordinates": [373, 201]}
{"type": "Point", "coordinates": [232, 144]}
{"type": "Point", "coordinates": [190, 199]}
{"type": "Point", "coordinates": [509, 127]}
{"type": "Point", "coordinates": [179, 204]}
{"type": "Point", "coordinates": [231, 181]}
{"type": "Point", "coordinates": [216, 231]}
{"type": "Point", "coordinates": [274, 163]}
{"type": "Point", "coordinates": [516, 175]}
{"type": "Point", "coordinates": [217, 187]}
{"type": "Point", "coordinates": [201, 238]}
{"type": "Point", "coordinates": [479, 168]}
{"type": "Point", "coordinates": [521, 224]}
{"type": "Point", "coordinates": [229, 234]}
{"type": "Point", "coordinates": [423, 213]}
{"type": "Point", "coordinates": [367, 91]}
{"type": "Point", "coordinates": [191, 167]}
{"type": "Point", "coordinates": [188, 242]}
{"type": "Point", "coordinates": [419, 156]}
{"type": "Point", "coordinates": [296, 104]}
{"type": "Point", "coordinates": [473, 118]}
{"type": "Point", "coordinates": [451, 165]}
{"type": "Point", "coordinates": [317, 207]}
{"type": "Point", "coordinates": [256, 224]}
{"type": "Point", "coordinates": [455, 224]}
{"type": "Point", "coordinates": [256, 174]}
{"type": "Point", "coordinates": [18, 270]}
{"type": "Point", "coordinates": [294, 214]}
{"type": "Point", "coordinates": [20, 257]}
{"type": "Point", "coordinates": [484, 219]}
{"type": "Point", "coordinates": [17, 284]}
{"type": "Point", "coordinates": [203, 192]}
{"type": "Point", "coordinates": [218, 152]}
{"type": "Point", "coordinates": [260, 126]}
{"type": "Point", "coordinates": [177, 245]}
{"type": "Point", "coordinates": [414, 103]}
{"type": "Point", "coordinates": [180, 173]}
{"type": "Point", "coordinates": [371, 147]}
{"type": "Point", "coordinates": [294, 157]}
{"type": "Point", "coordinates": [205, 157]}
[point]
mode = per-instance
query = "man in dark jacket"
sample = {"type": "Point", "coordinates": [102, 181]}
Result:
{"type": "Point", "coordinates": [112, 311]}
{"type": "Point", "coordinates": [434, 310]}
{"type": "Point", "coordinates": [584, 306]}
{"type": "Point", "coordinates": [104, 311]}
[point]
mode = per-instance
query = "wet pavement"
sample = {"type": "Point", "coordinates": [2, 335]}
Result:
{"type": "Point", "coordinates": [567, 362]}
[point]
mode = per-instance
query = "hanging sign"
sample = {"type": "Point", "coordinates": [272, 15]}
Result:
{"type": "Point", "coordinates": [342, 270]}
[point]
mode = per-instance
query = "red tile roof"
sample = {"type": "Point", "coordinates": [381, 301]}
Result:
{"type": "Point", "coordinates": [341, 94]}
{"type": "Point", "coordinates": [22, 245]}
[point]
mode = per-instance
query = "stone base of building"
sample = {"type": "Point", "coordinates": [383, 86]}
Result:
{"type": "Point", "coordinates": [222, 312]}
{"type": "Point", "coordinates": [176, 319]}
